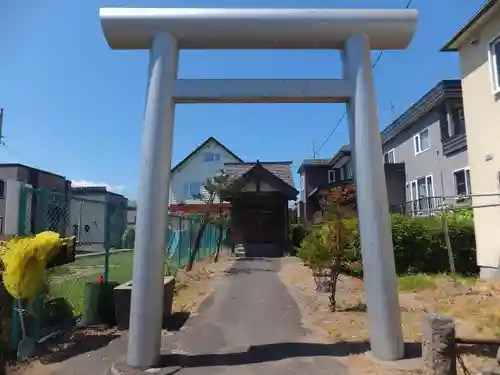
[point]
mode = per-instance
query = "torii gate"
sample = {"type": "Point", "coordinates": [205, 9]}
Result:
{"type": "Point", "coordinates": [166, 30]}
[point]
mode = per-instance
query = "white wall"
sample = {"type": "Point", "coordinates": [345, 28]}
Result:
{"type": "Point", "coordinates": [197, 170]}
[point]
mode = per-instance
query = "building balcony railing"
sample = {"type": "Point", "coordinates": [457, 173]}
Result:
{"type": "Point", "coordinates": [431, 205]}
{"type": "Point", "coordinates": [454, 144]}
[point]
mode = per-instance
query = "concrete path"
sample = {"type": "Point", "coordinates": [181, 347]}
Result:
{"type": "Point", "coordinates": [249, 325]}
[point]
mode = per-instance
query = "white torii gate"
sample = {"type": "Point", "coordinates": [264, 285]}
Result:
{"type": "Point", "coordinates": [167, 30]}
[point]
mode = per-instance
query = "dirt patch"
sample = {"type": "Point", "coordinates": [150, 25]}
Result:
{"type": "Point", "coordinates": [85, 351]}
{"type": "Point", "coordinates": [474, 305]}
{"type": "Point", "coordinates": [191, 287]}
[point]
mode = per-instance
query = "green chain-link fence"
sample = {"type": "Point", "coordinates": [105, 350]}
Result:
{"type": "Point", "coordinates": [102, 231]}
{"type": "Point", "coordinates": [6, 302]}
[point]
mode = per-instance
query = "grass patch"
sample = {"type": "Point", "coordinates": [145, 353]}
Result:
{"type": "Point", "coordinates": [416, 283]}
{"type": "Point", "coordinates": [68, 281]}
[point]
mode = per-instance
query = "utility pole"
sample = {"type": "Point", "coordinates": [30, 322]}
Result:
{"type": "Point", "coordinates": [1, 127]}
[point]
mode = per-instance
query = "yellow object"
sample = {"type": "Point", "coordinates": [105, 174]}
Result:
{"type": "Point", "coordinates": [25, 260]}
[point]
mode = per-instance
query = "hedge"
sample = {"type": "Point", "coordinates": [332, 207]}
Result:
{"type": "Point", "coordinates": [420, 247]}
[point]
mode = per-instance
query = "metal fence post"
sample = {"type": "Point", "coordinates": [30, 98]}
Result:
{"type": "Point", "coordinates": [23, 210]}
{"type": "Point", "coordinates": [80, 218]}
{"type": "Point", "coordinates": [107, 222]}
{"type": "Point", "coordinates": [179, 246]}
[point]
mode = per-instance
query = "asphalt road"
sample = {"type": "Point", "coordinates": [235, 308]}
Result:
{"type": "Point", "coordinates": [249, 325]}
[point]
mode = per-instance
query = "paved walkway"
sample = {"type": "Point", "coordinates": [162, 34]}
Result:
{"type": "Point", "coordinates": [249, 325]}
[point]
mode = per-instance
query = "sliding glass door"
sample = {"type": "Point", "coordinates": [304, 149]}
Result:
{"type": "Point", "coordinates": [422, 193]}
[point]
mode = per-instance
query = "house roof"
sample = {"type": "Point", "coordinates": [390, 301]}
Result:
{"type": "Point", "coordinates": [446, 89]}
{"type": "Point", "coordinates": [18, 165]}
{"type": "Point", "coordinates": [477, 21]}
{"type": "Point", "coordinates": [312, 163]}
{"type": "Point", "coordinates": [281, 169]}
{"type": "Point", "coordinates": [93, 190]}
{"type": "Point", "coordinates": [200, 147]}
{"type": "Point", "coordinates": [345, 150]}
{"type": "Point", "coordinates": [279, 173]}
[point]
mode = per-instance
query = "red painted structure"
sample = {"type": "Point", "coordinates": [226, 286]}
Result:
{"type": "Point", "coordinates": [200, 208]}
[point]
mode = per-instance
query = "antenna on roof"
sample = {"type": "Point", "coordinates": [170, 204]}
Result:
{"type": "Point", "coordinates": [314, 150]}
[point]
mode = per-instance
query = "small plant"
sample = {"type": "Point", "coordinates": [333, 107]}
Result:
{"type": "Point", "coordinates": [324, 248]}
{"type": "Point", "coordinates": [299, 232]}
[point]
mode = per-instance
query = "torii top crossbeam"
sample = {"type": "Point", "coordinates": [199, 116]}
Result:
{"type": "Point", "coordinates": [134, 28]}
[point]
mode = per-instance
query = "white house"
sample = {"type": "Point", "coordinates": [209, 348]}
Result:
{"type": "Point", "coordinates": [478, 46]}
{"type": "Point", "coordinates": [189, 176]}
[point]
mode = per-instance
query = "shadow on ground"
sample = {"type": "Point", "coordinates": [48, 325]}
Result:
{"type": "Point", "coordinates": [251, 259]}
{"type": "Point", "coordinates": [247, 271]}
{"type": "Point", "coordinates": [276, 352]}
{"type": "Point", "coordinates": [176, 320]}
{"type": "Point", "coordinates": [73, 343]}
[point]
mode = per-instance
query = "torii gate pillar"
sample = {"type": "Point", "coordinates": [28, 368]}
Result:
{"type": "Point", "coordinates": [163, 32]}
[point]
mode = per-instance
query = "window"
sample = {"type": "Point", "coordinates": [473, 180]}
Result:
{"type": "Point", "coordinates": [331, 176]}
{"type": "Point", "coordinates": [2, 189]}
{"type": "Point", "coordinates": [211, 157]}
{"type": "Point", "coordinates": [421, 141]}
{"type": "Point", "coordinates": [350, 172]}
{"type": "Point", "coordinates": [302, 187]}
{"type": "Point", "coordinates": [494, 53]}
{"type": "Point", "coordinates": [342, 174]}
{"type": "Point", "coordinates": [462, 182]}
{"type": "Point", "coordinates": [390, 157]}
{"type": "Point", "coordinates": [193, 189]}
{"type": "Point", "coordinates": [459, 121]}
{"type": "Point", "coordinates": [422, 193]}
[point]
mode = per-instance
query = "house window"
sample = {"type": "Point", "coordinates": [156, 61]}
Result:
{"type": "Point", "coordinates": [495, 63]}
{"type": "Point", "coordinates": [350, 173]}
{"type": "Point", "coordinates": [2, 189]}
{"type": "Point", "coordinates": [211, 157]}
{"type": "Point", "coordinates": [462, 182]}
{"type": "Point", "coordinates": [342, 174]}
{"type": "Point", "coordinates": [390, 157]}
{"type": "Point", "coordinates": [459, 120]}
{"type": "Point", "coordinates": [331, 176]}
{"type": "Point", "coordinates": [193, 189]}
{"type": "Point", "coordinates": [302, 187]}
{"type": "Point", "coordinates": [422, 193]}
{"type": "Point", "coordinates": [421, 141]}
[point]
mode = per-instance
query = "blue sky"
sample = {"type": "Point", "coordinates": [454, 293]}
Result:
{"type": "Point", "coordinates": [74, 107]}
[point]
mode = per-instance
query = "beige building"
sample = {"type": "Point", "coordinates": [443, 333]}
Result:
{"type": "Point", "coordinates": [478, 45]}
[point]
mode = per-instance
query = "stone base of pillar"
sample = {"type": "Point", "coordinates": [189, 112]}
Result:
{"type": "Point", "coordinates": [489, 273]}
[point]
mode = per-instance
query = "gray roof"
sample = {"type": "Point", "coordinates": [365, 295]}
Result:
{"type": "Point", "coordinates": [478, 20]}
{"type": "Point", "coordinates": [313, 163]}
{"type": "Point", "coordinates": [446, 89]}
{"type": "Point", "coordinates": [282, 170]}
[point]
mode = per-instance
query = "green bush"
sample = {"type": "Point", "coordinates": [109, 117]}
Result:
{"type": "Point", "coordinates": [299, 231]}
{"type": "Point", "coordinates": [420, 247]}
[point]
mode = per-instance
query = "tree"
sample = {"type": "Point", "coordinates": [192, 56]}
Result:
{"type": "Point", "coordinates": [216, 188]}
{"type": "Point", "coordinates": [345, 199]}
{"type": "Point", "coordinates": [323, 249]}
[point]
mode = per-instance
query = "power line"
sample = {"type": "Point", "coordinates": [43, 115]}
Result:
{"type": "Point", "coordinates": [337, 124]}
